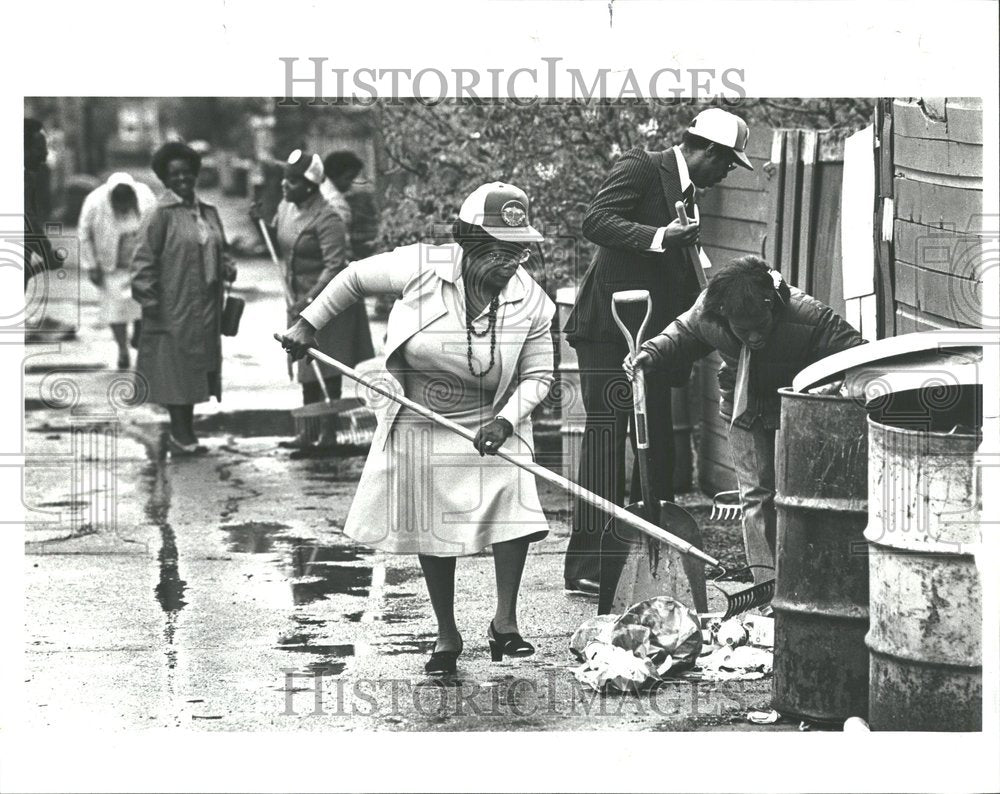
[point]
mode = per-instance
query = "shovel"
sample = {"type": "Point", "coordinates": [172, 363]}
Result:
{"type": "Point", "coordinates": [642, 566]}
{"type": "Point", "coordinates": [736, 603]}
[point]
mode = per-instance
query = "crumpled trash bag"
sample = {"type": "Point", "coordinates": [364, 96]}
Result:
{"type": "Point", "coordinates": [652, 638]}
{"type": "Point", "coordinates": [674, 630]}
{"type": "Point", "coordinates": [597, 628]}
{"type": "Point", "coordinates": [613, 667]}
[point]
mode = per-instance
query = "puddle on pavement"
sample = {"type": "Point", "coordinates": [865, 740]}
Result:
{"type": "Point", "coordinates": [322, 571]}
{"type": "Point", "coordinates": [327, 665]}
{"type": "Point", "coordinates": [253, 537]}
{"type": "Point", "coordinates": [397, 576]}
{"type": "Point", "coordinates": [405, 647]}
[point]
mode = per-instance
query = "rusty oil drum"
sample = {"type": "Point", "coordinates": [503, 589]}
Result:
{"type": "Point", "coordinates": [926, 598]}
{"type": "Point", "coordinates": [821, 592]}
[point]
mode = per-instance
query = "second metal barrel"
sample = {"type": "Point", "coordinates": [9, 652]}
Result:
{"type": "Point", "coordinates": [821, 594]}
{"type": "Point", "coordinates": [926, 593]}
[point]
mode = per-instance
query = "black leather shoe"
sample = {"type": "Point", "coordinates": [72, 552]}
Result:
{"type": "Point", "coordinates": [585, 586]}
{"type": "Point", "coordinates": [442, 662]}
{"type": "Point", "coordinates": [510, 644]}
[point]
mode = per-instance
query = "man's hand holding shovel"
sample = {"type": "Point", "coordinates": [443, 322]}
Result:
{"type": "Point", "coordinates": [642, 360]}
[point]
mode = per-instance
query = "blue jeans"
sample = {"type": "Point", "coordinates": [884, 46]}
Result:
{"type": "Point", "coordinates": [753, 458]}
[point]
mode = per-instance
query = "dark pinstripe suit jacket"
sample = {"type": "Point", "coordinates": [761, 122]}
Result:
{"type": "Point", "coordinates": [623, 218]}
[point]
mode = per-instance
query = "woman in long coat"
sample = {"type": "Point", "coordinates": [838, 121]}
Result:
{"type": "Point", "coordinates": [469, 337]}
{"type": "Point", "coordinates": [178, 271]}
{"type": "Point", "coordinates": [311, 239]}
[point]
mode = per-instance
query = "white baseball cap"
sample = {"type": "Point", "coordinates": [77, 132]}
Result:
{"type": "Point", "coordinates": [305, 165]}
{"type": "Point", "coordinates": [502, 211]}
{"type": "Point", "coordinates": [725, 128]}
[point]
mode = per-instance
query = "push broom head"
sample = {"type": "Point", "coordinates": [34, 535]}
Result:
{"type": "Point", "coordinates": [347, 422]}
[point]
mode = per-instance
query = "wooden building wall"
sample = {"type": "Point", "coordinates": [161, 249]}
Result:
{"type": "Point", "coordinates": [937, 216]}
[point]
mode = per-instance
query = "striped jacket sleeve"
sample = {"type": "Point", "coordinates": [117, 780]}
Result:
{"type": "Point", "coordinates": [607, 221]}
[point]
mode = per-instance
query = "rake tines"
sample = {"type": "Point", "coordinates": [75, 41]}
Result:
{"type": "Point", "coordinates": [758, 595]}
{"type": "Point", "coordinates": [726, 506]}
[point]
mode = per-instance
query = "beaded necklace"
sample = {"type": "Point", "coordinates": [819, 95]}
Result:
{"type": "Point", "coordinates": [491, 329]}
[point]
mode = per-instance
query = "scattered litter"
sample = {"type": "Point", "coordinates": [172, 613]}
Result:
{"type": "Point", "coordinates": [206, 716]}
{"type": "Point", "coordinates": [613, 667]}
{"type": "Point", "coordinates": [630, 651]}
{"type": "Point", "coordinates": [763, 717]}
{"type": "Point", "coordinates": [856, 725]}
{"type": "Point", "coordinates": [196, 700]}
{"type": "Point", "coordinates": [804, 726]}
{"type": "Point", "coordinates": [760, 630]}
{"type": "Point", "coordinates": [732, 633]}
{"type": "Point", "coordinates": [661, 637]}
{"type": "Point", "coordinates": [744, 662]}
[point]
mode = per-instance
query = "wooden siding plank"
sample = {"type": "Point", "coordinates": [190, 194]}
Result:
{"type": "Point", "coordinates": [965, 119]}
{"type": "Point", "coordinates": [906, 284]}
{"type": "Point", "coordinates": [939, 249]}
{"type": "Point", "coordinates": [775, 176]}
{"type": "Point", "coordinates": [807, 210]}
{"type": "Point", "coordinates": [791, 179]}
{"type": "Point", "coordinates": [724, 202]}
{"type": "Point", "coordinates": [826, 257]}
{"type": "Point", "coordinates": [885, 315]}
{"type": "Point", "coordinates": [911, 121]}
{"type": "Point", "coordinates": [944, 157]}
{"type": "Point", "coordinates": [957, 300]}
{"type": "Point", "coordinates": [962, 122]}
{"type": "Point", "coordinates": [939, 205]}
{"type": "Point", "coordinates": [731, 233]}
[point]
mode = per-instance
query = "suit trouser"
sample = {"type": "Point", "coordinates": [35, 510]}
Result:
{"type": "Point", "coordinates": [607, 399]}
{"type": "Point", "coordinates": [753, 458]}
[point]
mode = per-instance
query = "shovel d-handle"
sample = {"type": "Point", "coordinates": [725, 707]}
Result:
{"type": "Point", "coordinates": [530, 466]}
{"type": "Point", "coordinates": [638, 381]}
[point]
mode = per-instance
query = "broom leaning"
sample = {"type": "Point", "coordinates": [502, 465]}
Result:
{"type": "Point", "coordinates": [345, 422]}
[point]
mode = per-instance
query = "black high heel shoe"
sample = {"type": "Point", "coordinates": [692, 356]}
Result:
{"type": "Point", "coordinates": [512, 644]}
{"type": "Point", "coordinates": [442, 662]}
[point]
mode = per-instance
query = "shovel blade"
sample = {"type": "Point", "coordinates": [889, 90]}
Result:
{"type": "Point", "coordinates": [654, 569]}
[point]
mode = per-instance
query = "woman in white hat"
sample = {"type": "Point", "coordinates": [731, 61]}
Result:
{"type": "Point", "coordinates": [311, 239]}
{"type": "Point", "coordinates": [109, 222]}
{"type": "Point", "coordinates": [468, 337]}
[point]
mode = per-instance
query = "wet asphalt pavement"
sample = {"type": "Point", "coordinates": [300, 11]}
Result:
{"type": "Point", "coordinates": [227, 599]}
{"type": "Point", "coordinates": [219, 593]}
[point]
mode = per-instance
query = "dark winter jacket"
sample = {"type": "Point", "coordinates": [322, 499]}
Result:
{"type": "Point", "coordinates": [805, 331]}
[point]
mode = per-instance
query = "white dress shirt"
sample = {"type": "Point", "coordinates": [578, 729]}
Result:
{"type": "Point", "coordinates": [685, 179]}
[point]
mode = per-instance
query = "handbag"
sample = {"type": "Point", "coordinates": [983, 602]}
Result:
{"type": "Point", "coordinates": [232, 311]}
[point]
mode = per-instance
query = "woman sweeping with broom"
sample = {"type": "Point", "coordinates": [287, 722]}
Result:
{"type": "Point", "coordinates": [312, 241]}
{"type": "Point", "coordinates": [468, 338]}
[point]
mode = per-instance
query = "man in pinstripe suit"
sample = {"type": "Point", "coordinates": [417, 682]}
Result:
{"type": "Point", "coordinates": [641, 246]}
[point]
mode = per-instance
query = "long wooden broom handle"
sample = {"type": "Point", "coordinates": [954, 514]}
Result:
{"type": "Point", "coordinates": [289, 298]}
{"type": "Point", "coordinates": [530, 466]}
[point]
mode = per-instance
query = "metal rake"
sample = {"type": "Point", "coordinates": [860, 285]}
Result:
{"type": "Point", "coordinates": [726, 506]}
